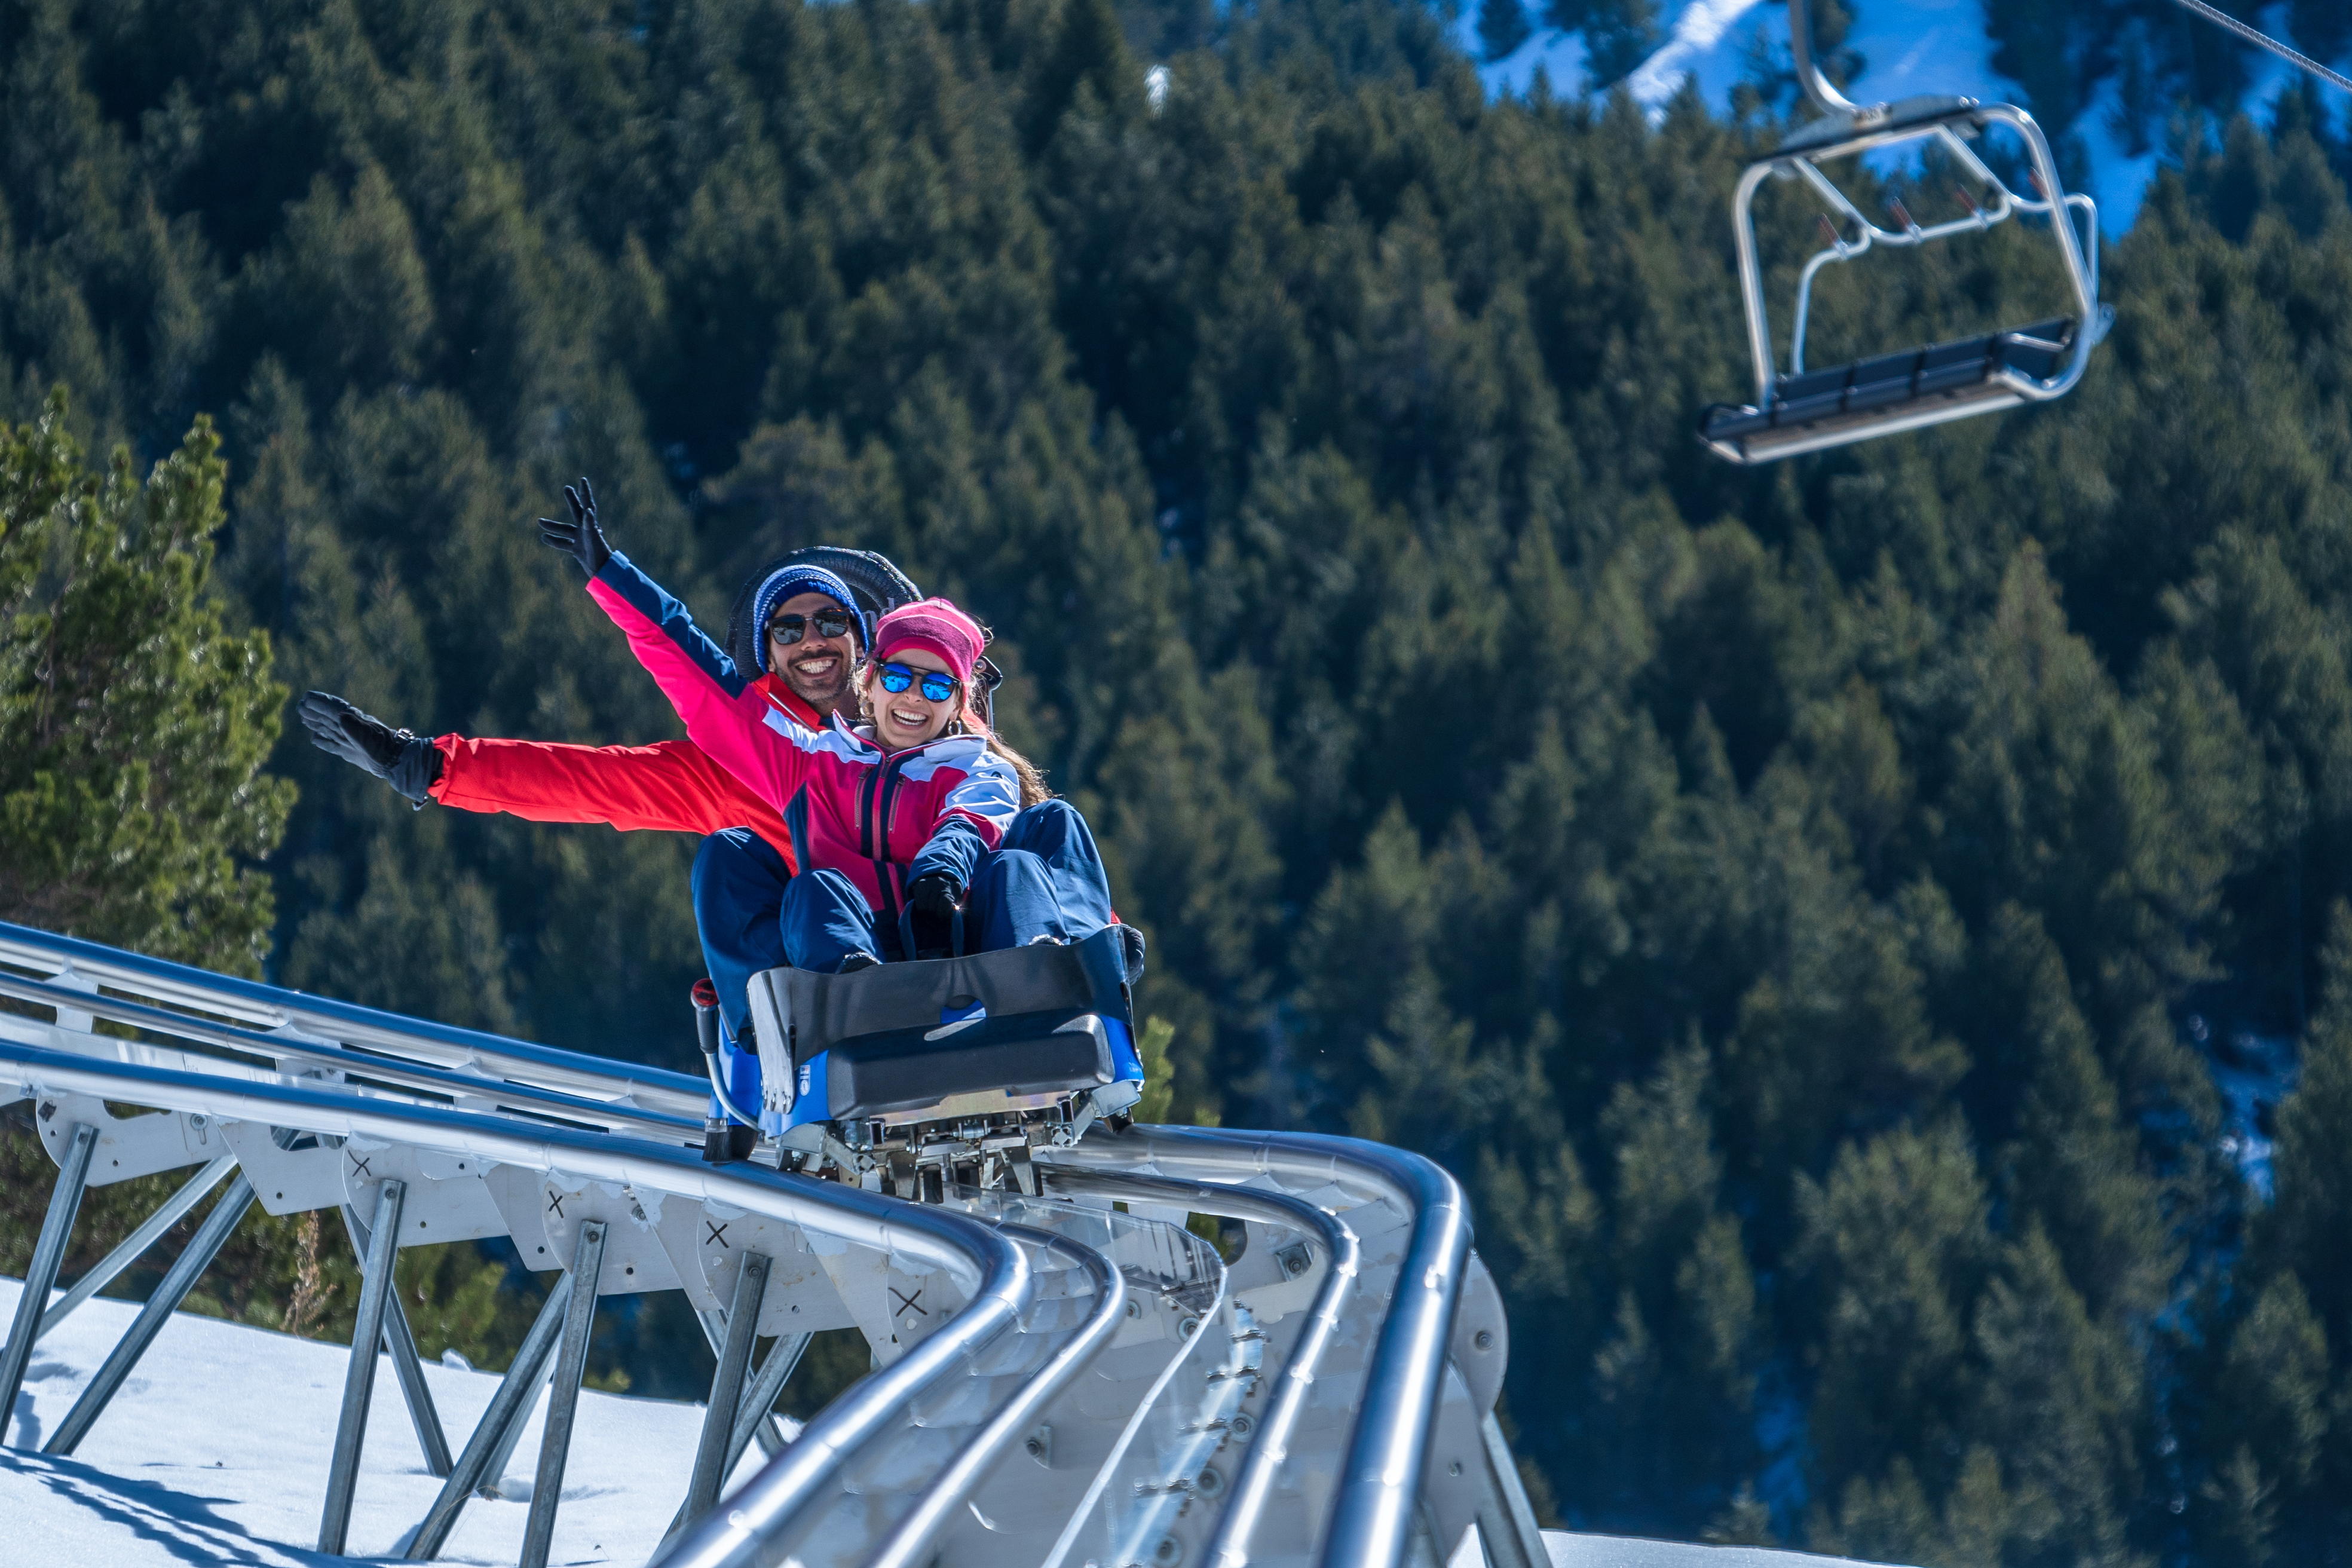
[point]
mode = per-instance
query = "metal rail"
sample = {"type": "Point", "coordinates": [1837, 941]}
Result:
{"type": "Point", "coordinates": [1231, 1546]}
{"type": "Point", "coordinates": [488, 1056]}
{"type": "Point", "coordinates": [446, 1085]}
{"type": "Point", "coordinates": [1373, 1520]}
{"type": "Point", "coordinates": [1819, 92]}
{"type": "Point", "coordinates": [987, 1267]}
{"type": "Point", "coordinates": [418, 1085]}
{"type": "Point", "coordinates": [913, 1538]}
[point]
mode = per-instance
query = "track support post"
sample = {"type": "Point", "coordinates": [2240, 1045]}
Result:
{"type": "Point", "coordinates": [359, 1378]}
{"type": "Point", "coordinates": [134, 1245]}
{"type": "Point", "coordinates": [182, 1277]}
{"type": "Point", "coordinates": [48, 1256]}
{"type": "Point", "coordinates": [725, 1390]}
{"type": "Point", "coordinates": [400, 1344]}
{"type": "Point", "coordinates": [1506, 1522]}
{"type": "Point", "coordinates": [563, 1396]}
{"type": "Point", "coordinates": [755, 1418]}
{"type": "Point", "coordinates": [494, 1435]}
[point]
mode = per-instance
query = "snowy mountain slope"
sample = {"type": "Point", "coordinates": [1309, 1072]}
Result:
{"type": "Point", "coordinates": [1910, 46]}
{"type": "Point", "coordinates": [215, 1452]}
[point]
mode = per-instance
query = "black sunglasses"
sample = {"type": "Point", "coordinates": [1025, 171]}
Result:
{"type": "Point", "coordinates": [789, 629]}
{"type": "Point", "coordinates": [938, 687]}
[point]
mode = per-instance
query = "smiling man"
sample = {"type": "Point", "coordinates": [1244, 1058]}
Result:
{"type": "Point", "coordinates": [807, 634]}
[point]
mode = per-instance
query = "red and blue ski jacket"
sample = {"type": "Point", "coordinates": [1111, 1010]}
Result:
{"type": "Point", "coordinates": [883, 818]}
{"type": "Point", "coordinates": [673, 785]}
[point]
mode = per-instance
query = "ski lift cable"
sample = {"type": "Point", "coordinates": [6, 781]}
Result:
{"type": "Point", "coordinates": [2261, 39]}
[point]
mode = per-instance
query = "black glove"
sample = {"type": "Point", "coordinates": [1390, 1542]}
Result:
{"type": "Point", "coordinates": [410, 763]}
{"type": "Point", "coordinates": [931, 902]}
{"type": "Point", "coordinates": [580, 538]}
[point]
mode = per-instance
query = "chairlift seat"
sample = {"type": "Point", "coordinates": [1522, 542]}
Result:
{"type": "Point", "coordinates": [1825, 407]}
{"type": "Point", "coordinates": [923, 1040]}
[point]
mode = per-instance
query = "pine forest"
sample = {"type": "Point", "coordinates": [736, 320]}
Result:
{"type": "Point", "coordinates": [1872, 933]}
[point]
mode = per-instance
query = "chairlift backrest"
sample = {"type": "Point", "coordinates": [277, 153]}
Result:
{"type": "Point", "coordinates": [1799, 411]}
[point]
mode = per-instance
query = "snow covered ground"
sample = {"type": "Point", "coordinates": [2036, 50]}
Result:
{"type": "Point", "coordinates": [215, 1452]}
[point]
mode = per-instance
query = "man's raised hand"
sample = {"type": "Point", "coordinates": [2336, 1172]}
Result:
{"type": "Point", "coordinates": [580, 538]}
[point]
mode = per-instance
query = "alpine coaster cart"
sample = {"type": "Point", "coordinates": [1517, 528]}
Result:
{"type": "Point", "coordinates": [1799, 410]}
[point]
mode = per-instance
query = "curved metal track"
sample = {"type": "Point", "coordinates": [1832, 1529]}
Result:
{"type": "Point", "coordinates": [1073, 1378]}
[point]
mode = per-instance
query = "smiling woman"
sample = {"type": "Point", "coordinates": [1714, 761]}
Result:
{"type": "Point", "coordinates": [911, 833]}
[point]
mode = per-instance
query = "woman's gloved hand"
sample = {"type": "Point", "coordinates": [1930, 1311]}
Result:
{"type": "Point", "coordinates": [932, 900]}
{"type": "Point", "coordinates": [580, 538]}
{"type": "Point", "coordinates": [409, 762]}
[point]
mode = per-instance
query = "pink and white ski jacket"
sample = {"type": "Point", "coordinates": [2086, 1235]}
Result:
{"type": "Point", "coordinates": [881, 818]}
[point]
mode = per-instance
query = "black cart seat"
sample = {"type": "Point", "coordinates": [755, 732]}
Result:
{"type": "Point", "coordinates": [940, 1037]}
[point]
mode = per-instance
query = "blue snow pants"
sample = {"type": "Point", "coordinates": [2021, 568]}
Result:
{"type": "Point", "coordinates": [739, 887]}
{"type": "Point", "coordinates": [1045, 879]}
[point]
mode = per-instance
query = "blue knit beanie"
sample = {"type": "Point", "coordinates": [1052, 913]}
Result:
{"type": "Point", "coordinates": [785, 581]}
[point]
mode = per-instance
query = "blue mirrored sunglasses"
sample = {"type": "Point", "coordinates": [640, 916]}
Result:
{"type": "Point", "coordinates": [938, 685]}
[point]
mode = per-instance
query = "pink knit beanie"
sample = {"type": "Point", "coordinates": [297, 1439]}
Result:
{"type": "Point", "coordinates": [936, 624]}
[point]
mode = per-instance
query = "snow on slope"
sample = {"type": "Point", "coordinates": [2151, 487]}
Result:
{"type": "Point", "coordinates": [1910, 46]}
{"type": "Point", "coordinates": [215, 1452]}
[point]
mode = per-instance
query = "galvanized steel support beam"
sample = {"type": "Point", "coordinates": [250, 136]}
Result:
{"type": "Point", "coordinates": [726, 1388]}
{"type": "Point", "coordinates": [359, 1377]}
{"type": "Point", "coordinates": [563, 1396]}
{"type": "Point", "coordinates": [178, 1280]}
{"type": "Point", "coordinates": [759, 1401]}
{"type": "Point", "coordinates": [48, 1254]}
{"type": "Point", "coordinates": [494, 1435]}
{"type": "Point", "coordinates": [1506, 1522]}
{"type": "Point", "coordinates": [769, 1431]}
{"type": "Point", "coordinates": [494, 1474]}
{"type": "Point", "coordinates": [401, 1345]}
{"type": "Point", "coordinates": [151, 1230]}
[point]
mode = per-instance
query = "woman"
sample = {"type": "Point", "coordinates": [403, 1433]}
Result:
{"type": "Point", "coordinates": [909, 829]}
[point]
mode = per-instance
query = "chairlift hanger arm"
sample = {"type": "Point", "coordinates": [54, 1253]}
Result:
{"type": "Point", "coordinates": [1819, 92]}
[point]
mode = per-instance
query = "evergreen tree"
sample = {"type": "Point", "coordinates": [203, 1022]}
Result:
{"type": "Point", "coordinates": [133, 724]}
{"type": "Point", "coordinates": [1805, 905]}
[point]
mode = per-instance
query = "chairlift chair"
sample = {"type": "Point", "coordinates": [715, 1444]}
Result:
{"type": "Point", "coordinates": [1799, 410]}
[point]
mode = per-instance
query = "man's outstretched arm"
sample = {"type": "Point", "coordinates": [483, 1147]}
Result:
{"type": "Point", "coordinates": [670, 785]}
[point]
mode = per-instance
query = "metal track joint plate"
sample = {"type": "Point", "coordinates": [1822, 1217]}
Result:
{"type": "Point", "coordinates": [128, 1146]}
{"type": "Point", "coordinates": [287, 1180]}
{"type": "Point", "coordinates": [800, 1297]}
{"type": "Point", "coordinates": [1278, 1272]}
{"type": "Point", "coordinates": [894, 1301]}
{"type": "Point", "coordinates": [635, 1259]}
{"type": "Point", "coordinates": [446, 1200]}
{"type": "Point", "coordinates": [518, 1193]}
{"type": "Point", "coordinates": [1480, 1346]}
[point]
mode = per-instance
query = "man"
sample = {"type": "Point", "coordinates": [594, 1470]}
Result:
{"type": "Point", "coordinates": [802, 625]}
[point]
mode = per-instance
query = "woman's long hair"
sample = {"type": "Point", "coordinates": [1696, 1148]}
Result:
{"type": "Point", "coordinates": [1034, 788]}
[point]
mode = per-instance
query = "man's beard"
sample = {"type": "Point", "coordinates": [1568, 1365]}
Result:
{"type": "Point", "coordinates": [823, 696]}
